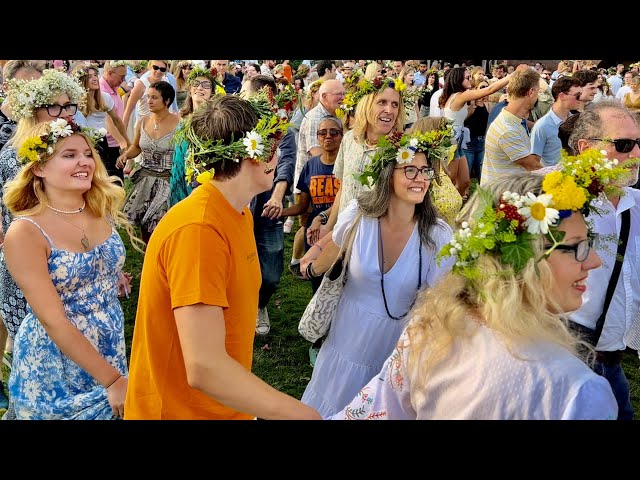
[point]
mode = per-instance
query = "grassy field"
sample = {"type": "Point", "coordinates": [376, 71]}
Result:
{"type": "Point", "coordinates": [281, 358]}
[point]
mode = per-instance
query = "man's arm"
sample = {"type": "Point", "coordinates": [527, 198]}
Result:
{"type": "Point", "coordinates": [530, 162]}
{"type": "Point", "coordinates": [211, 370]}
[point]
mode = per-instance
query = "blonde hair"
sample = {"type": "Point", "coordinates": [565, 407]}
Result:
{"type": "Point", "coordinates": [371, 71]}
{"type": "Point", "coordinates": [25, 195]}
{"type": "Point", "coordinates": [364, 117]}
{"type": "Point", "coordinates": [95, 102]}
{"type": "Point", "coordinates": [516, 307]}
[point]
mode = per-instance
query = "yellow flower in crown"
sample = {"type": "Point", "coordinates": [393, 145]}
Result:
{"type": "Point", "coordinates": [34, 149]}
{"type": "Point", "coordinates": [211, 75]}
{"type": "Point", "coordinates": [258, 144]}
{"type": "Point", "coordinates": [507, 229]}
{"type": "Point", "coordinates": [399, 148]}
{"type": "Point", "coordinates": [365, 87]}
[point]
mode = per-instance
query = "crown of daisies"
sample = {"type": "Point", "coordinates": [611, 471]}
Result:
{"type": "Point", "coordinates": [27, 95]}
{"type": "Point", "coordinates": [35, 149]}
{"type": "Point", "coordinates": [365, 87]}
{"type": "Point", "coordinates": [507, 229]}
{"type": "Point", "coordinates": [399, 148]}
{"type": "Point", "coordinates": [258, 144]}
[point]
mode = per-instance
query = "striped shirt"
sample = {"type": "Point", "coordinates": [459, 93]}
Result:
{"type": "Point", "coordinates": [507, 140]}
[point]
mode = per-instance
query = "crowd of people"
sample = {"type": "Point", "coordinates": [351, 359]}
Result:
{"type": "Point", "coordinates": [483, 222]}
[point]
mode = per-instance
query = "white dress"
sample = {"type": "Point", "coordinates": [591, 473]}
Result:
{"type": "Point", "coordinates": [480, 379]}
{"type": "Point", "coordinates": [362, 336]}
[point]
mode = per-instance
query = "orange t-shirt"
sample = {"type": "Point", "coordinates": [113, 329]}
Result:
{"type": "Point", "coordinates": [202, 251]}
{"type": "Point", "coordinates": [288, 73]}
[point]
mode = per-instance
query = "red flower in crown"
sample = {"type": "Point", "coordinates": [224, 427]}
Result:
{"type": "Point", "coordinates": [377, 82]}
{"type": "Point", "coordinates": [214, 72]}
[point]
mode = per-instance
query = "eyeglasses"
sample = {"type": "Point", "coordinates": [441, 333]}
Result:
{"type": "Point", "coordinates": [334, 132]}
{"type": "Point", "coordinates": [162, 69]}
{"type": "Point", "coordinates": [186, 67]}
{"type": "Point", "coordinates": [623, 145]}
{"type": "Point", "coordinates": [580, 250]}
{"type": "Point", "coordinates": [576, 95]}
{"type": "Point", "coordinates": [204, 84]}
{"type": "Point", "coordinates": [55, 110]}
{"type": "Point", "coordinates": [411, 172]}
{"type": "Point", "coordinates": [340, 94]}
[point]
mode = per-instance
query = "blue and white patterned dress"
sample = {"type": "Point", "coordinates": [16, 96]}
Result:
{"type": "Point", "coordinates": [46, 384]}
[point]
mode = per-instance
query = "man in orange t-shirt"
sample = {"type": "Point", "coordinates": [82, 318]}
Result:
{"type": "Point", "coordinates": [193, 339]}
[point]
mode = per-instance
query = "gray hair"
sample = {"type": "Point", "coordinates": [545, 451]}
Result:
{"type": "Point", "coordinates": [590, 124]}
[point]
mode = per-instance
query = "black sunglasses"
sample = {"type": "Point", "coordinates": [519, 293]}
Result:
{"type": "Point", "coordinates": [623, 145]}
{"type": "Point", "coordinates": [156, 67]}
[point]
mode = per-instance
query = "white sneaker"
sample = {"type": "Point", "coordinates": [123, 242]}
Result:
{"type": "Point", "coordinates": [262, 324]}
{"type": "Point", "coordinates": [288, 225]}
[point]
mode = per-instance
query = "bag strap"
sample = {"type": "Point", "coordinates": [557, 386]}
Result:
{"type": "Point", "coordinates": [613, 282]}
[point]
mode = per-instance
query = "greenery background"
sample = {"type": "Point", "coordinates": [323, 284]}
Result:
{"type": "Point", "coordinates": [281, 358]}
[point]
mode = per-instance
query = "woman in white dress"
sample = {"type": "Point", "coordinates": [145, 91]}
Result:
{"type": "Point", "coordinates": [392, 258]}
{"type": "Point", "coordinates": [490, 341]}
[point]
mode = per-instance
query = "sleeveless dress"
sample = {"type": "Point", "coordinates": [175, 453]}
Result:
{"type": "Point", "coordinates": [148, 201]}
{"type": "Point", "coordinates": [44, 383]}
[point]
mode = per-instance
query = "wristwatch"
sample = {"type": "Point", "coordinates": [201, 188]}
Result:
{"type": "Point", "coordinates": [324, 218]}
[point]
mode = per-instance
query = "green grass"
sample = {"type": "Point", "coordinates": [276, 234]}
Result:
{"type": "Point", "coordinates": [281, 358]}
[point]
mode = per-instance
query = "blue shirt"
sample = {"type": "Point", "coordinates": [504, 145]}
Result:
{"type": "Point", "coordinates": [544, 139]}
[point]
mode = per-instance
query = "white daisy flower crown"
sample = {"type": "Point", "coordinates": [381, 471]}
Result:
{"type": "Point", "coordinates": [27, 95]}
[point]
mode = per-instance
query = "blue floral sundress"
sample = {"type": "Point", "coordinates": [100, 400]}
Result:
{"type": "Point", "coordinates": [44, 383]}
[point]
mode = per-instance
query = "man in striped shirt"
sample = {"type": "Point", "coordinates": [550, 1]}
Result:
{"type": "Point", "coordinates": [507, 144]}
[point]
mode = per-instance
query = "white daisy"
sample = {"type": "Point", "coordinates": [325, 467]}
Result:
{"type": "Point", "coordinates": [537, 213]}
{"type": "Point", "coordinates": [404, 156]}
{"type": "Point", "coordinates": [253, 143]}
{"type": "Point", "coordinates": [60, 128]}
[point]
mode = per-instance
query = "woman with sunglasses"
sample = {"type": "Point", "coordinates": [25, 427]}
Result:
{"type": "Point", "coordinates": [54, 95]}
{"type": "Point", "coordinates": [398, 234]}
{"type": "Point", "coordinates": [202, 85]}
{"type": "Point", "coordinates": [137, 106]}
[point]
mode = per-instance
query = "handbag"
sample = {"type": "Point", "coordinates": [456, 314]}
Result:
{"type": "Point", "coordinates": [321, 310]}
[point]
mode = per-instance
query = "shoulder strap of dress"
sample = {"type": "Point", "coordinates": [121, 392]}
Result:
{"type": "Point", "coordinates": [39, 228]}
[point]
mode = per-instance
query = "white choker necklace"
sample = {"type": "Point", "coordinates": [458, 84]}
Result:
{"type": "Point", "coordinates": [69, 212]}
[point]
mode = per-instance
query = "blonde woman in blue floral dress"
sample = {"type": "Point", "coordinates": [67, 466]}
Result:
{"type": "Point", "coordinates": [66, 256]}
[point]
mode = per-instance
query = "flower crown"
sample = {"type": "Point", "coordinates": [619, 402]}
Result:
{"type": "Point", "coordinates": [508, 229]}
{"type": "Point", "coordinates": [365, 87]}
{"type": "Point", "coordinates": [81, 72]}
{"type": "Point", "coordinates": [258, 144]}
{"type": "Point", "coordinates": [286, 97]}
{"type": "Point", "coordinates": [210, 74]}
{"type": "Point", "coordinates": [118, 63]}
{"type": "Point", "coordinates": [34, 149]}
{"type": "Point", "coordinates": [396, 147]}
{"type": "Point", "coordinates": [27, 95]}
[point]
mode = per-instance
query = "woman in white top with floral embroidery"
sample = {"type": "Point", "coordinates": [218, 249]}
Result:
{"type": "Point", "coordinates": [489, 340]}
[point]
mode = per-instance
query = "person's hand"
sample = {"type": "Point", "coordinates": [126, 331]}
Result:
{"type": "Point", "coordinates": [313, 231]}
{"type": "Point", "coordinates": [122, 159]}
{"type": "Point", "coordinates": [116, 394]}
{"type": "Point", "coordinates": [124, 284]}
{"type": "Point", "coordinates": [272, 209]}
